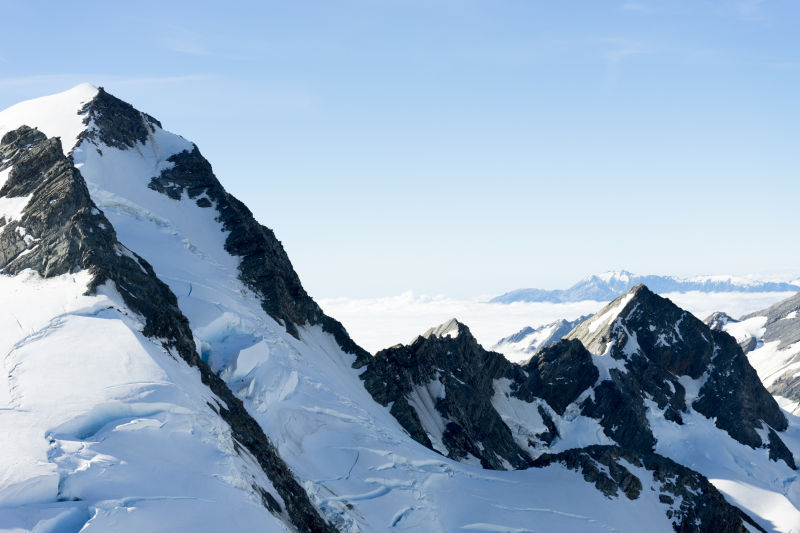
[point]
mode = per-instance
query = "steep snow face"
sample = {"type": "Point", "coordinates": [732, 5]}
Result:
{"type": "Point", "coordinates": [102, 428]}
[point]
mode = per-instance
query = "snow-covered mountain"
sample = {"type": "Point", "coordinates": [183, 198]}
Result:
{"type": "Point", "coordinates": [164, 369]}
{"type": "Point", "coordinates": [523, 344]}
{"type": "Point", "coordinates": [771, 339]}
{"type": "Point", "coordinates": [640, 383]}
{"type": "Point", "coordinates": [609, 285]}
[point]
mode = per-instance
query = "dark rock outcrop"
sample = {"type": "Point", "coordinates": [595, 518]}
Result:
{"type": "Point", "coordinates": [453, 374]}
{"type": "Point", "coordinates": [116, 123]}
{"type": "Point", "coordinates": [649, 355]}
{"type": "Point", "coordinates": [693, 503]}
{"type": "Point", "coordinates": [61, 231]}
{"type": "Point", "coordinates": [558, 374]}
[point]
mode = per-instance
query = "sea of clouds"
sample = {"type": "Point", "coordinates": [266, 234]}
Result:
{"type": "Point", "coordinates": [377, 323]}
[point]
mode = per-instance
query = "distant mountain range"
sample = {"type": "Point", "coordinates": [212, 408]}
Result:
{"type": "Point", "coordinates": [607, 286]}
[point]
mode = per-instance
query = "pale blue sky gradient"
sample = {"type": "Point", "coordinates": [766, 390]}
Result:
{"type": "Point", "coordinates": [467, 147]}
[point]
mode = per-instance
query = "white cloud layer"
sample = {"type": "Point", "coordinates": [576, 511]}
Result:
{"type": "Point", "coordinates": [377, 323]}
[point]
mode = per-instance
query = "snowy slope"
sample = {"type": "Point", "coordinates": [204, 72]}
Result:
{"type": "Point", "coordinates": [108, 431]}
{"type": "Point", "coordinates": [106, 428]}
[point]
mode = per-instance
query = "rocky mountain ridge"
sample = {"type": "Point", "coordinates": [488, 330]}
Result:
{"type": "Point", "coordinates": [638, 358]}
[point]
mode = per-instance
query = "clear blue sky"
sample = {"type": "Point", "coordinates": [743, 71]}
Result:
{"type": "Point", "coordinates": [463, 147]}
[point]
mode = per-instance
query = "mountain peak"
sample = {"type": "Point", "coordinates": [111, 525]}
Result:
{"type": "Point", "coordinates": [451, 329]}
{"type": "Point", "coordinates": [641, 335]}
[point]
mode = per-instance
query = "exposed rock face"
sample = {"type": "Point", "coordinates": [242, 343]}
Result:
{"type": "Point", "coordinates": [440, 387]}
{"type": "Point", "coordinates": [654, 348]}
{"type": "Point", "coordinates": [558, 374]}
{"type": "Point", "coordinates": [118, 123]}
{"type": "Point", "coordinates": [60, 230]}
{"type": "Point", "coordinates": [647, 351]}
{"type": "Point", "coordinates": [264, 266]}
